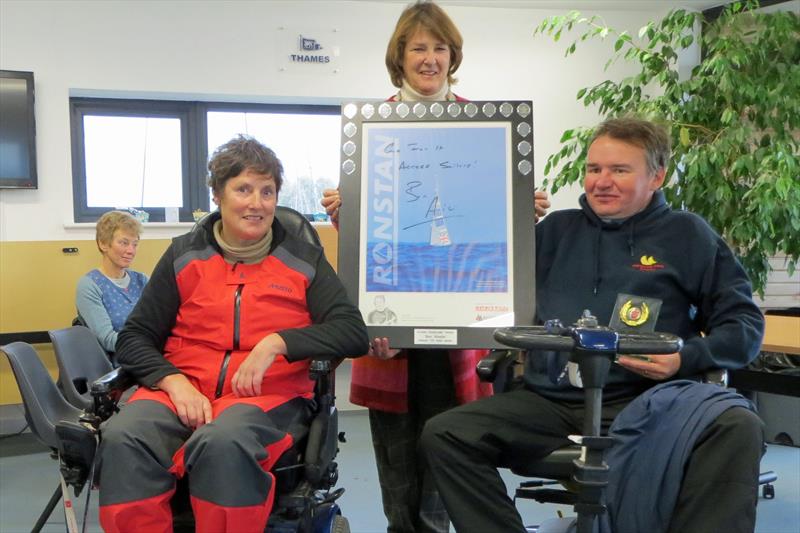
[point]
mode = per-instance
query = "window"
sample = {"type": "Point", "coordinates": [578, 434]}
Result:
{"type": "Point", "coordinates": [152, 155]}
{"type": "Point", "coordinates": [133, 153]}
{"type": "Point", "coordinates": [305, 139]}
{"type": "Point", "coordinates": [141, 154]}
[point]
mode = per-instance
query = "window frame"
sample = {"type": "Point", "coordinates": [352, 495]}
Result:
{"type": "Point", "coordinates": [81, 107]}
{"type": "Point", "coordinates": [194, 143]}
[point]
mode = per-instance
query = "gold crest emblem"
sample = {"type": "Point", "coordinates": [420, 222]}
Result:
{"type": "Point", "coordinates": [634, 314]}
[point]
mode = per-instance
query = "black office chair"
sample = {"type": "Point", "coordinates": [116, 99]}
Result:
{"type": "Point", "coordinates": [52, 420]}
{"type": "Point", "coordinates": [81, 360]}
{"type": "Point", "coordinates": [304, 474]}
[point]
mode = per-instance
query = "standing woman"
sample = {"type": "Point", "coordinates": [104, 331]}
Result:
{"type": "Point", "coordinates": [106, 295]}
{"type": "Point", "coordinates": [403, 389]}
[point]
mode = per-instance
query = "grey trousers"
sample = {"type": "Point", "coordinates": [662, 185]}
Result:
{"type": "Point", "coordinates": [410, 500]}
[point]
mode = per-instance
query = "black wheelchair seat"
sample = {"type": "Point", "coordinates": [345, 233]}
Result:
{"type": "Point", "coordinates": [558, 464]}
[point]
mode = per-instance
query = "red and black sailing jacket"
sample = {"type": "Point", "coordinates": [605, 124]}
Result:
{"type": "Point", "coordinates": [200, 315]}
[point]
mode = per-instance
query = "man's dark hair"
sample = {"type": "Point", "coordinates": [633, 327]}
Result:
{"type": "Point", "coordinates": [651, 137]}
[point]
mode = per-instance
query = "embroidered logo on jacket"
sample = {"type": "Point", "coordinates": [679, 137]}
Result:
{"type": "Point", "coordinates": [647, 263]}
{"type": "Point", "coordinates": [282, 288]}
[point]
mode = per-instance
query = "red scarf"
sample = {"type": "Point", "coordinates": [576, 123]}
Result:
{"type": "Point", "coordinates": [383, 384]}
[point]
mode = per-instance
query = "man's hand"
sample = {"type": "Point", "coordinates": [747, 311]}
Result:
{"type": "Point", "coordinates": [331, 201]}
{"type": "Point", "coordinates": [540, 204]}
{"type": "Point", "coordinates": [193, 408]}
{"type": "Point", "coordinates": [247, 379]}
{"type": "Point", "coordinates": [655, 367]}
{"type": "Point", "coordinates": [379, 347]}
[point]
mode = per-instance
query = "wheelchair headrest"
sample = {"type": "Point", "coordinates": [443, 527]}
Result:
{"type": "Point", "coordinates": [296, 224]}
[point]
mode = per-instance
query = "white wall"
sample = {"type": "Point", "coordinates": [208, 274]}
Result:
{"type": "Point", "coordinates": [225, 50]}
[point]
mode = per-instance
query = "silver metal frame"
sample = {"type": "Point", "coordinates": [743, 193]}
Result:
{"type": "Point", "coordinates": [518, 114]}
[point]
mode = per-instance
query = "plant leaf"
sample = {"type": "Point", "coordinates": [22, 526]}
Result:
{"type": "Point", "coordinates": [684, 137]}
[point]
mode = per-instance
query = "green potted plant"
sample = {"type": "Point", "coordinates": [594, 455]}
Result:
{"type": "Point", "coordinates": [735, 122]}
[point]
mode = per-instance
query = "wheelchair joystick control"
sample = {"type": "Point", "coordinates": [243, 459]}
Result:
{"type": "Point", "coordinates": [587, 320]}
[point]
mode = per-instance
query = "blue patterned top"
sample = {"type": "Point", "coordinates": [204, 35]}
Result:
{"type": "Point", "coordinates": [104, 305]}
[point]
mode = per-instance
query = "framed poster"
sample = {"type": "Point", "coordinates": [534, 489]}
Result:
{"type": "Point", "coordinates": [436, 242]}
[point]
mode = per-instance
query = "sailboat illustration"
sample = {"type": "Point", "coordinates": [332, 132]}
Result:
{"type": "Point", "coordinates": [439, 233]}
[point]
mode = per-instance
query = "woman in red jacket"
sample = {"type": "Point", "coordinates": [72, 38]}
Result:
{"type": "Point", "coordinates": [220, 343]}
{"type": "Point", "coordinates": [403, 389]}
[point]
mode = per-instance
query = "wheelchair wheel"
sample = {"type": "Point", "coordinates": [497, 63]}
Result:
{"type": "Point", "coordinates": [328, 519]}
{"type": "Point", "coordinates": [340, 525]}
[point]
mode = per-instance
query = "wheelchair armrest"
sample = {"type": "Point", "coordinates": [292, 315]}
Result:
{"type": "Point", "coordinates": [107, 390]}
{"type": "Point", "coordinates": [495, 363]}
{"type": "Point", "coordinates": [498, 368]}
{"type": "Point", "coordinates": [559, 464]}
{"type": "Point", "coordinates": [115, 381]}
{"type": "Point", "coordinates": [323, 366]}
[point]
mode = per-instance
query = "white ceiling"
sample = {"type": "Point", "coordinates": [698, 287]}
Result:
{"type": "Point", "coordinates": [647, 5]}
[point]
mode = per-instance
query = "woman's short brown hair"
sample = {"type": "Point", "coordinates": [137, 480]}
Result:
{"type": "Point", "coordinates": [422, 15]}
{"type": "Point", "coordinates": [112, 221]}
{"type": "Point", "coordinates": [238, 155]}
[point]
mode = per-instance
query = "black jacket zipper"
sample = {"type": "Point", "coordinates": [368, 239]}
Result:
{"type": "Point", "coordinates": [237, 302]}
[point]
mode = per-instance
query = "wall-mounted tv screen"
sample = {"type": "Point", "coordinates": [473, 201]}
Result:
{"type": "Point", "coordinates": [17, 131]}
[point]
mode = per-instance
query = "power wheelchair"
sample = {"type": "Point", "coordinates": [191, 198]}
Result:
{"type": "Point", "coordinates": [305, 474]}
{"type": "Point", "coordinates": [305, 501]}
{"type": "Point", "coordinates": [581, 467]}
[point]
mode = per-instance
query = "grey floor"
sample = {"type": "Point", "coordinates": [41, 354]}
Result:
{"type": "Point", "coordinates": [28, 477]}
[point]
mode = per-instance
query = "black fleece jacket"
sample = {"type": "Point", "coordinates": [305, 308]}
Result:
{"type": "Point", "coordinates": [583, 262]}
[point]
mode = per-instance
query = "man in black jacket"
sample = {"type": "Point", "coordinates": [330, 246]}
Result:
{"type": "Point", "coordinates": [623, 255]}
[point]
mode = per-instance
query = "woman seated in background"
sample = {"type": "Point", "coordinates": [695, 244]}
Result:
{"type": "Point", "coordinates": [106, 295]}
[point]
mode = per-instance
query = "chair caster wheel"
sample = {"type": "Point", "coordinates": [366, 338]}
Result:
{"type": "Point", "coordinates": [768, 491]}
